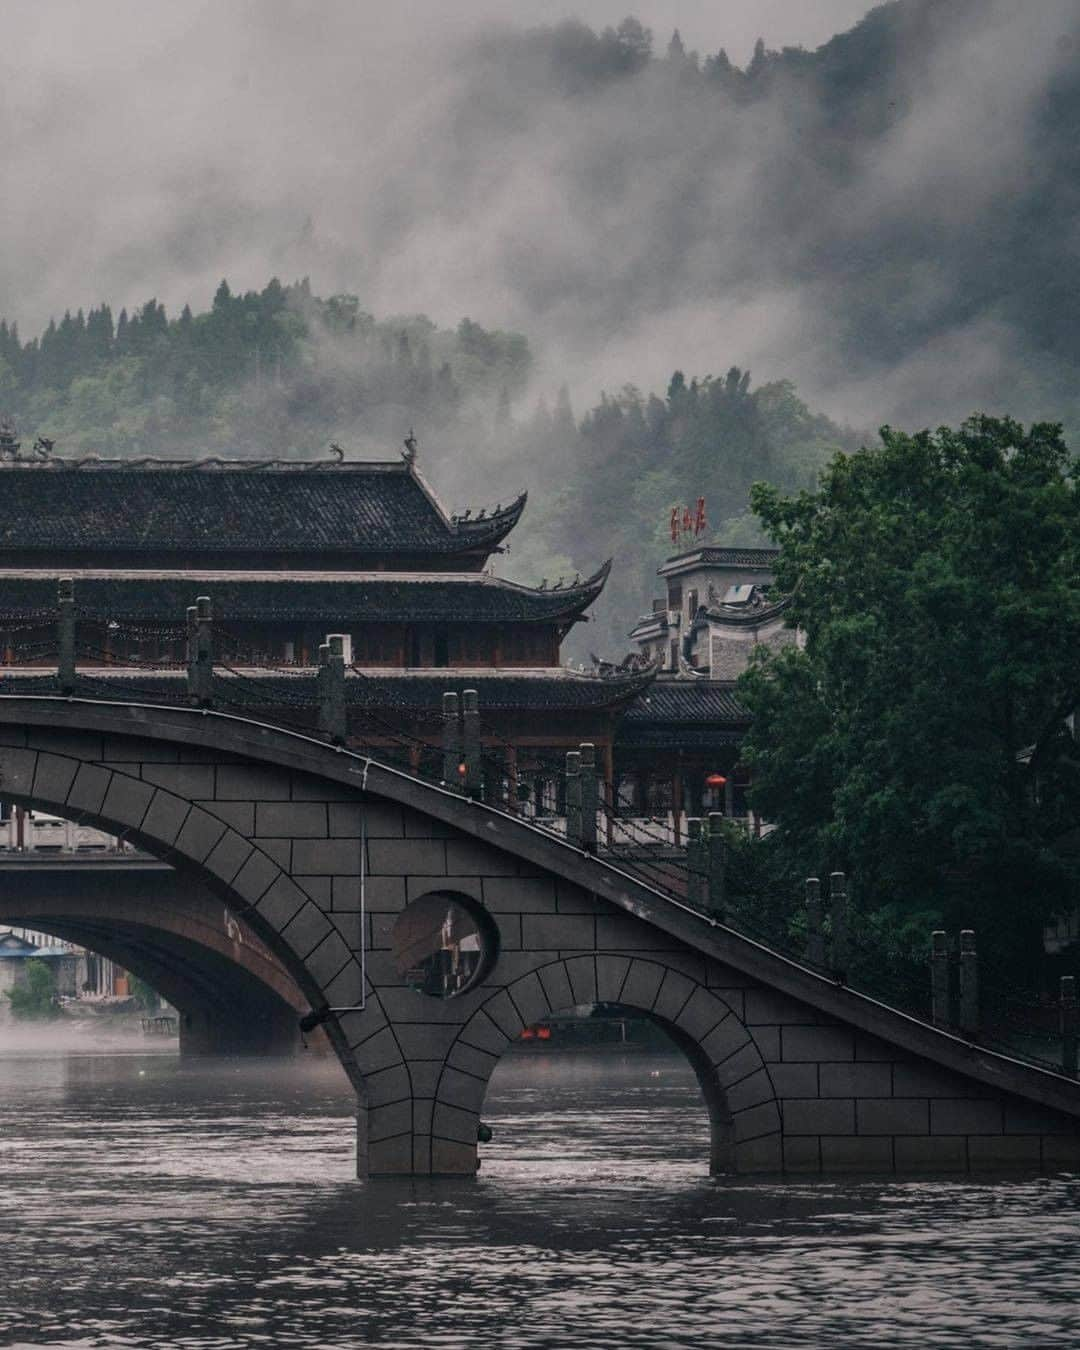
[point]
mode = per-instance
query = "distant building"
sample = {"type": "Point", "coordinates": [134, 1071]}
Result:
{"type": "Point", "coordinates": [716, 610]}
{"type": "Point", "coordinates": [289, 551]}
{"type": "Point", "coordinates": [677, 748]}
{"type": "Point", "coordinates": [17, 950]}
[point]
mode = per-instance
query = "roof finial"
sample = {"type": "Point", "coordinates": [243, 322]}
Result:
{"type": "Point", "coordinates": [43, 447]}
{"type": "Point", "coordinates": [337, 450]}
{"type": "Point", "coordinates": [410, 447]}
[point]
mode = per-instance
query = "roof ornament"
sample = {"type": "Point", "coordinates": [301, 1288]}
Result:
{"type": "Point", "coordinates": [411, 445]}
{"type": "Point", "coordinates": [337, 451]}
{"type": "Point", "coordinates": [43, 447]}
{"type": "Point", "coordinates": [543, 585]}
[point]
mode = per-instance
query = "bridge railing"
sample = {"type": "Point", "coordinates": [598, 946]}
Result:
{"type": "Point", "coordinates": [688, 860]}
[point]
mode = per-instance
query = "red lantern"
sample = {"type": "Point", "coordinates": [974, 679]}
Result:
{"type": "Point", "coordinates": [462, 769]}
{"type": "Point", "coordinates": [716, 780]}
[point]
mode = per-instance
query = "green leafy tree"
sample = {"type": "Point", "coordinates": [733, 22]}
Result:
{"type": "Point", "coordinates": [920, 740]}
{"type": "Point", "coordinates": [145, 995]}
{"type": "Point", "coordinates": [35, 998]}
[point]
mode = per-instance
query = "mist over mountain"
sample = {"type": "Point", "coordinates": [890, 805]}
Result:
{"type": "Point", "coordinates": [888, 221]}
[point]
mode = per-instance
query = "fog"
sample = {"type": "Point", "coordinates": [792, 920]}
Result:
{"type": "Point", "coordinates": [425, 158]}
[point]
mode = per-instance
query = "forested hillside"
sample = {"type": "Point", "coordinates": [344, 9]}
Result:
{"type": "Point", "coordinates": [887, 223]}
{"type": "Point", "coordinates": [282, 372]}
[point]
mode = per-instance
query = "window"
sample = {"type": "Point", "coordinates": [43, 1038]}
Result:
{"type": "Point", "coordinates": [443, 944]}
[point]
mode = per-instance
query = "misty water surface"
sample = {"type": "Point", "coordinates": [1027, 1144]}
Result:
{"type": "Point", "coordinates": [152, 1204]}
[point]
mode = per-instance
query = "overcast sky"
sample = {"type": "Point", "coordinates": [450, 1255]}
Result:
{"type": "Point", "coordinates": [152, 148]}
{"type": "Point", "coordinates": [148, 148]}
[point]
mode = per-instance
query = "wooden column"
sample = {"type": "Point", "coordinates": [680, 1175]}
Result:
{"type": "Point", "coordinates": [512, 803]}
{"type": "Point", "coordinates": [676, 805]}
{"type": "Point", "coordinates": [609, 791]}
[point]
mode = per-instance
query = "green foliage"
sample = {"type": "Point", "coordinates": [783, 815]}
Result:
{"type": "Point", "coordinates": [918, 742]}
{"type": "Point", "coordinates": [34, 1000]}
{"type": "Point", "coordinates": [634, 456]}
{"type": "Point", "coordinates": [282, 372]}
{"type": "Point", "coordinates": [276, 371]}
{"type": "Point", "coordinates": [145, 995]}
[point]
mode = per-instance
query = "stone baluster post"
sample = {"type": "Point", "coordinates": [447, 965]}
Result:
{"type": "Point", "coordinates": [940, 1009]}
{"type": "Point", "coordinates": [841, 924]}
{"type": "Point", "coordinates": [697, 881]}
{"type": "Point", "coordinates": [815, 924]}
{"type": "Point", "coordinates": [1069, 1024]}
{"type": "Point", "coordinates": [717, 866]}
{"type": "Point", "coordinates": [191, 620]}
{"type": "Point", "coordinates": [573, 798]}
{"type": "Point", "coordinates": [200, 652]}
{"type": "Point", "coordinates": [969, 984]}
{"type": "Point", "coordinates": [331, 688]}
{"type": "Point", "coordinates": [590, 796]}
{"type": "Point", "coordinates": [65, 605]}
{"type": "Point", "coordinates": [470, 742]}
{"type": "Point", "coordinates": [451, 743]}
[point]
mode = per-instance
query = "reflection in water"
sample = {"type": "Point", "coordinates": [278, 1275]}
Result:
{"type": "Point", "coordinates": [151, 1204]}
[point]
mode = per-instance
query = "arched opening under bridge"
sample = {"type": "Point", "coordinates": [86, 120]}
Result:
{"type": "Point", "coordinates": [605, 1087]}
{"type": "Point", "coordinates": [232, 994]}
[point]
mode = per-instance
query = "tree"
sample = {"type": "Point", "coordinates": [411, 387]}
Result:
{"type": "Point", "coordinates": [919, 741]}
{"type": "Point", "coordinates": [35, 998]}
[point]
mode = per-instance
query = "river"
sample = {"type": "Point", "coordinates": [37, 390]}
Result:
{"type": "Point", "coordinates": [149, 1203]}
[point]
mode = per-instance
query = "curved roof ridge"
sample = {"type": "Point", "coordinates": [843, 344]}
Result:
{"type": "Point", "coordinates": [494, 524]}
{"type": "Point", "coordinates": [203, 463]}
{"type": "Point", "coordinates": [594, 583]}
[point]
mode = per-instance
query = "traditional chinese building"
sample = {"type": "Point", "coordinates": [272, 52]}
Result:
{"type": "Point", "coordinates": [287, 552]}
{"type": "Point", "coordinates": [715, 610]}
{"type": "Point", "coordinates": [677, 751]}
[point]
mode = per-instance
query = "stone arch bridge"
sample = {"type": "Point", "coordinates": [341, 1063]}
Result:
{"type": "Point", "coordinates": [318, 850]}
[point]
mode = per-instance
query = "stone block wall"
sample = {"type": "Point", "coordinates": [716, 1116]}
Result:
{"type": "Point", "coordinates": [321, 869]}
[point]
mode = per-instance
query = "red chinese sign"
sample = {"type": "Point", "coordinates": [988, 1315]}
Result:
{"type": "Point", "coordinates": [686, 524]}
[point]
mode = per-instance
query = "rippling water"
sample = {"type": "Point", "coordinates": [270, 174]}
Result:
{"type": "Point", "coordinates": [152, 1204]}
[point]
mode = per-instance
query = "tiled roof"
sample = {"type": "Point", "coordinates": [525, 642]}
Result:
{"type": "Point", "coordinates": [675, 736]}
{"type": "Point", "coordinates": [744, 616]}
{"type": "Point", "coordinates": [536, 690]}
{"type": "Point", "coordinates": [314, 596]}
{"type": "Point", "coordinates": [235, 506]}
{"type": "Point", "coordinates": [720, 557]}
{"type": "Point", "coordinates": [688, 700]}
{"type": "Point", "coordinates": [502, 690]}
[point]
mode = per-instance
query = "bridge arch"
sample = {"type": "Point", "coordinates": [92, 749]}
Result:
{"type": "Point", "coordinates": [232, 995]}
{"type": "Point", "coordinates": [161, 799]}
{"type": "Point", "coordinates": [320, 849]}
{"type": "Point", "coordinates": [734, 1079]}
